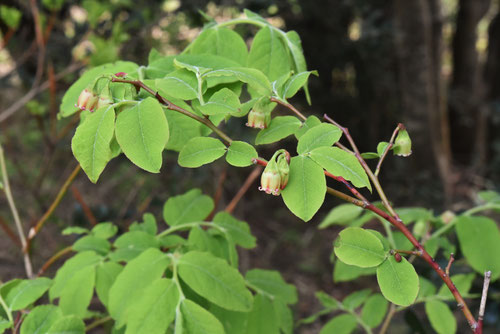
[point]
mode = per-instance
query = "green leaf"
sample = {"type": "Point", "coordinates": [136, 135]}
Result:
{"type": "Point", "coordinates": [268, 54]}
{"type": "Point", "coordinates": [181, 84]}
{"type": "Point", "coordinates": [142, 132]}
{"type": "Point", "coordinates": [159, 67]}
{"type": "Point", "coordinates": [148, 225]}
{"type": "Point", "coordinates": [68, 325]}
{"type": "Point", "coordinates": [319, 136]}
{"type": "Point", "coordinates": [181, 128]}
{"type": "Point", "coordinates": [426, 288]}
{"type": "Point", "coordinates": [306, 188]}
{"type": "Point", "coordinates": [272, 284]}
{"type": "Point", "coordinates": [40, 319]}
{"type": "Point", "coordinates": [233, 322]}
{"type": "Point", "coordinates": [296, 82]}
{"type": "Point", "coordinates": [359, 247]}
{"type": "Point", "coordinates": [345, 272]}
{"type": "Point", "coordinates": [463, 283]}
{"type": "Point", "coordinates": [106, 274]}
{"type": "Point", "coordinates": [197, 320]}
{"type": "Point", "coordinates": [70, 268]}
{"type": "Point", "coordinates": [222, 102]}
{"type": "Point", "coordinates": [237, 229]}
{"type": "Point", "coordinates": [381, 147]}
{"type": "Point", "coordinates": [26, 293]}
{"type": "Point", "coordinates": [479, 236]}
{"type": "Point", "coordinates": [341, 163]}
{"type": "Point", "coordinates": [77, 293]}
{"type": "Point", "coordinates": [91, 142]}
{"type": "Point", "coordinates": [285, 316]}
{"type": "Point", "coordinates": [213, 279]}
{"type": "Point", "coordinates": [104, 230]}
{"type": "Point", "coordinates": [441, 318]}
{"type": "Point", "coordinates": [200, 151]}
{"type": "Point", "coordinates": [91, 243]}
{"type": "Point", "coordinates": [374, 310]}
{"type": "Point", "coordinates": [10, 16]}
{"type": "Point", "coordinates": [398, 281]}
{"type": "Point", "coordinates": [295, 46]}
{"type": "Point", "coordinates": [190, 207]}
{"type": "Point", "coordinates": [241, 154]}
{"type": "Point", "coordinates": [129, 245]}
{"type": "Point", "coordinates": [279, 128]}
{"type": "Point", "coordinates": [355, 299]}
{"type": "Point", "coordinates": [410, 215]}
{"type": "Point", "coordinates": [221, 42]}
{"type": "Point", "coordinates": [341, 324]}
{"type": "Point", "coordinates": [155, 309]}
{"type": "Point", "coordinates": [341, 215]}
{"type": "Point", "coordinates": [262, 318]}
{"type": "Point", "coordinates": [254, 78]}
{"type": "Point", "coordinates": [310, 123]}
{"type": "Point", "coordinates": [131, 282]}
{"type": "Point", "coordinates": [70, 98]}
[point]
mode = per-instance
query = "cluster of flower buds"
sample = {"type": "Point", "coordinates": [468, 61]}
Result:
{"type": "Point", "coordinates": [275, 176]}
{"type": "Point", "coordinates": [93, 98]}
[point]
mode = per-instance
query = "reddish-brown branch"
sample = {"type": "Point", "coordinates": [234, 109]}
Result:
{"type": "Point", "coordinates": [6, 38]}
{"type": "Point", "coordinates": [218, 194]}
{"type": "Point", "coordinates": [86, 210]}
{"type": "Point", "coordinates": [244, 188]}
{"type": "Point", "coordinates": [12, 236]}
{"type": "Point", "coordinates": [53, 259]}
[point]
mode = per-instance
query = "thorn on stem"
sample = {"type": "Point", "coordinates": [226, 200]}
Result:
{"type": "Point", "coordinates": [452, 258]}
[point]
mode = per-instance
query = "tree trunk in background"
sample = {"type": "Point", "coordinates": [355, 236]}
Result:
{"type": "Point", "coordinates": [491, 77]}
{"type": "Point", "coordinates": [419, 47]}
{"type": "Point", "coordinates": [467, 91]}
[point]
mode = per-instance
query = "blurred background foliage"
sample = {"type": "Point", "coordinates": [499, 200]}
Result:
{"type": "Point", "coordinates": [432, 64]}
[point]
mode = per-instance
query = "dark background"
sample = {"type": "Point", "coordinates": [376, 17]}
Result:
{"type": "Point", "coordinates": [433, 65]}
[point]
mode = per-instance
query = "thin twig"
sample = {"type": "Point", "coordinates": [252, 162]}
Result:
{"type": "Point", "coordinates": [53, 259]}
{"type": "Point", "coordinates": [35, 91]}
{"type": "Point", "coordinates": [289, 106]}
{"type": "Point", "coordinates": [388, 318]}
{"type": "Point", "coordinates": [484, 295]}
{"type": "Point", "coordinates": [388, 148]}
{"type": "Point", "coordinates": [11, 234]}
{"type": "Point", "coordinates": [40, 43]}
{"type": "Point", "coordinates": [448, 267]}
{"type": "Point", "coordinates": [97, 323]}
{"type": "Point", "coordinates": [86, 209]}
{"type": "Point", "coordinates": [407, 252]}
{"type": "Point", "coordinates": [15, 214]}
{"type": "Point", "coordinates": [244, 188]}
{"type": "Point", "coordinates": [219, 190]}
{"type": "Point", "coordinates": [34, 230]}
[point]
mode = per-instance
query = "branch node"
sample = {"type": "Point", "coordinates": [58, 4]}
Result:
{"type": "Point", "coordinates": [452, 258]}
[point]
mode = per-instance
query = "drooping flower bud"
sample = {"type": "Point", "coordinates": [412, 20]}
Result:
{"type": "Point", "coordinates": [256, 119]}
{"type": "Point", "coordinates": [270, 180]}
{"type": "Point", "coordinates": [283, 162]}
{"type": "Point", "coordinates": [87, 100]}
{"type": "Point", "coordinates": [275, 176]}
{"type": "Point", "coordinates": [402, 144]}
{"type": "Point", "coordinates": [105, 97]}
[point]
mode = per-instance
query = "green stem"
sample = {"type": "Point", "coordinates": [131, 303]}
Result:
{"type": "Point", "coordinates": [188, 225]}
{"type": "Point", "coordinates": [97, 323]}
{"type": "Point", "coordinates": [242, 21]}
{"type": "Point", "coordinates": [469, 212]}
{"type": "Point", "coordinates": [7, 310]}
{"type": "Point", "coordinates": [15, 214]}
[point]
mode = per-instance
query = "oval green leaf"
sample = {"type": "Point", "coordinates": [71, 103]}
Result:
{"type": "Point", "coordinates": [241, 154]}
{"type": "Point", "coordinates": [197, 320]}
{"type": "Point", "coordinates": [40, 319]}
{"type": "Point", "coordinates": [341, 324]}
{"type": "Point", "coordinates": [441, 318]}
{"type": "Point", "coordinates": [215, 280]}
{"type": "Point", "coordinates": [341, 163]}
{"type": "Point", "coordinates": [479, 236]}
{"type": "Point", "coordinates": [200, 151]}
{"type": "Point", "coordinates": [142, 132]}
{"type": "Point", "coordinates": [90, 144]}
{"type": "Point", "coordinates": [190, 207]}
{"type": "Point", "coordinates": [319, 136]}
{"type": "Point", "coordinates": [357, 246]}
{"type": "Point", "coordinates": [398, 281]}
{"type": "Point", "coordinates": [374, 310]}
{"type": "Point", "coordinates": [279, 128]}
{"type": "Point", "coordinates": [305, 192]}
